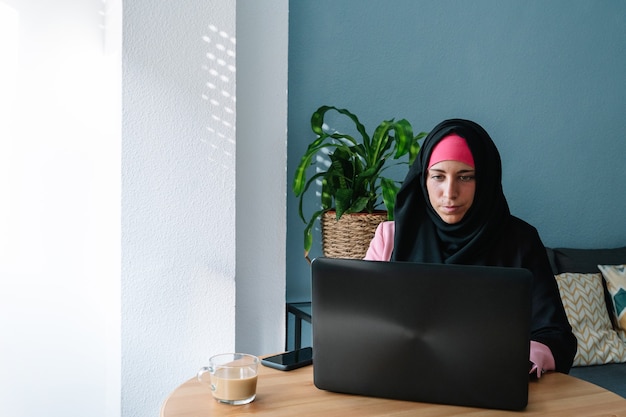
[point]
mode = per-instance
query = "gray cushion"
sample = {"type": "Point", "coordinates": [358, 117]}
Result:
{"type": "Point", "coordinates": [611, 376]}
{"type": "Point", "coordinates": [585, 260]}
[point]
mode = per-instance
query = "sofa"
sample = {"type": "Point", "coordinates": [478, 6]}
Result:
{"type": "Point", "coordinates": [601, 359]}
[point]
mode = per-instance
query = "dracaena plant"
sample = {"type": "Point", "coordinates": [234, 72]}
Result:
{"type": "Point", "coordinates": [352, 177]}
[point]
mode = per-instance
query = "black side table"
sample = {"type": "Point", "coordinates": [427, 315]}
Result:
{"type": "Point", "coordinates": [301, 311]}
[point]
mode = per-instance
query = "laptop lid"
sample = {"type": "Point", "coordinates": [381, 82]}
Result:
{"type": "Point", "coordinates": [447, 334]}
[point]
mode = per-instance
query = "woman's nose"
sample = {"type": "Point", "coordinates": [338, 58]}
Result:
{"type": "Point", "coordinates": [450, 189]}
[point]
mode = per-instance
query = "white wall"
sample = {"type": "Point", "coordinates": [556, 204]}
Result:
{"type": "Point", "coordinates": [59, 208]}
{"type": "Point", "coordinates": [198, 258]}
{"type": "Point", "coordinates": [178, 201]}
{"type": "Point", "coordinates": [110, 297]}
{"type": "Point", "coordinates": [262, 37]}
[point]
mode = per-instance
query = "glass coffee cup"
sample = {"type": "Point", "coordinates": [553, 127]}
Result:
{"type": "Point", "coordinates": [232, 377]}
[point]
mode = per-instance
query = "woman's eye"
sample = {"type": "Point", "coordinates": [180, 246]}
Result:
{"type": "Point", "coordinates": [466, 178]}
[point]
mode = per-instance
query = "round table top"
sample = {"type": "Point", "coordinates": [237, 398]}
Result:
{"type": "Point", "coordinates": [293, 393]}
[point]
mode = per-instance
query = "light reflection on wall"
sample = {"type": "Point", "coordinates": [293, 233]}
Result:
{"type": "Point", "coordinates": [60, 181]}
{"type": "Point", "coordinates": [9, 24]}
{"type": "Point", "coordinates": [8, 51]}
{"type": "Point", "coordinates": [220, 95]}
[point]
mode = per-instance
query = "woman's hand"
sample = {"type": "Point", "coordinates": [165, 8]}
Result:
{"type": "Point", "coordinates": [541, 358]}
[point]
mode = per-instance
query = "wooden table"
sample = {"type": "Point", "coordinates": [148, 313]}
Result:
{"type": "Point", "coordinates": [292, 394]}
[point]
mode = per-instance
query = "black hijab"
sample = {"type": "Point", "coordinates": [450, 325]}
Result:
{"type": "Point", "coordinates": [421, 235]}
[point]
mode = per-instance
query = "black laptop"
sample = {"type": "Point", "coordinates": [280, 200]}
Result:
{"type": "Point", "coordinates": [447, 334]}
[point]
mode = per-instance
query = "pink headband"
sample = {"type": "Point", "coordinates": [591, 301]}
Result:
{"type": "Point", "coordinates": [451, 148]}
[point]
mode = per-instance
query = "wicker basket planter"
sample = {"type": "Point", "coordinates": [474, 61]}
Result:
{"type": "Point", "coordinates": [350, 236]}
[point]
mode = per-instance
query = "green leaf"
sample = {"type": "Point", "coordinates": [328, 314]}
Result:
{"type": "Point", "coordinates": [390, 190]}
{"type": "Point", "coordinates": [415, 146]}
{"type": "Point", "coordinates": [373, 171]}
{"type": "Point", "coordinates": [308, 183]}
{"type": "Point", "coordinates": [317, 120]}
{"type": "Point", "coordinates": [403, 138]}
{"type": "Point", "coordinates": [343, 198]}
{"type": "Point", "coordinates": [299, 178]}
{"type": "Point", "coordinates": [358, 205]}
{"type": "Point", "coordinates": [308, 240]}
{"type": "Point", "coordinates": [317, 123]}
{"type": "Point", "coordinates": [359, 126]}
{"type": "Point", "coordinates": [308, 232]}
{"type": "Point", "coordinates": [327, 194]}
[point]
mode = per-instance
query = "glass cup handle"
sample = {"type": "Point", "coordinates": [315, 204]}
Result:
{"type": "Point", "coordinates": [203, 371]}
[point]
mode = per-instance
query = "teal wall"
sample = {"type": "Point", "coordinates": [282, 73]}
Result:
{"type": "Point", "coordinates": [545, 78]}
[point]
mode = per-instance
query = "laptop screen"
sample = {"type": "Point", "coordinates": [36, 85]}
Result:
{"type": "Point", "coordinates": [446, 334]}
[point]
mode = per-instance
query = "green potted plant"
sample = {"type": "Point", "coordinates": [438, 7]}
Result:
{"type": "Point", "coordinates": [353, 181]}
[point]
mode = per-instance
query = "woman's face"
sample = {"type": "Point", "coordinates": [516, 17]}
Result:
{"type": "Point", "coordinates": [451, 187]}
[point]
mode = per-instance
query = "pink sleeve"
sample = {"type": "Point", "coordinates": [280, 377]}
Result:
{"type": "Point", "coordinates": [542, 358]}
{"type": "Point", "coordinates": [381, 245]}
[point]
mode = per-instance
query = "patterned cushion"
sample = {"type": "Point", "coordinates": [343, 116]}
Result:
{"type": "Point", "coordinates": [583, 299]}
{"type": "Point", "coordinates": [615, 276]}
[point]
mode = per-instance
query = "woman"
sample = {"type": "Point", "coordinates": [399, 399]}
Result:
{"type": "Point", "coordinates": [451, 209]}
